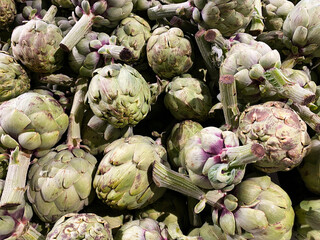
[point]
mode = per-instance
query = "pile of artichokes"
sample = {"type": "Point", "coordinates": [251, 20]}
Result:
{"type": "Point", "coordinates": [160, 119]}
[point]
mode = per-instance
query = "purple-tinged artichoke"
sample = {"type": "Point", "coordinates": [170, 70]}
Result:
{"type": "Point", "coordinates": [169, 52]}
{"type": "Point", "coordinates": [123, 179]}
{"type": "Point", "coordinates": [143, 229]}
{"type": "Point", "coordinates": [280, 130]}
{"type": "Point", "coordinates": [80, 226]}
{"type": "Point", "coordinates": [36, 44]}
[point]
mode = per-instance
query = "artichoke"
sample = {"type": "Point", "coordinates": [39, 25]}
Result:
{"type": "Point", "coordinates": [119, 94]}
{"type": "Point", "coordinates": [144, 229]}
{"type": "Point", "coordinates": [63, 3]}
{"type": "Point", "coordinates": [80, 226]}
{"type": "Point", "coordinates": [188, 98]}
{"type": "Point", "coordinates": [280, 130]}
{"type": "Point", "coordinates": [86, 56]}
{"type": "Point", "coordinates": [14, 79]}
{"type": "Point", "coordinates": [309, 167]}
{"type": "Point", "coordinates": [179, 135]}
{"type": "Point", "coordinates": [32, 120]}
{"type": "Point", "coordinates": [35, 9]}
{"type": "Point", "coordinates": [122, 180]}
{"type": "Point", "coordinates": [97, 13]}
{"type": "Point", "coordinates": [210, 154]}
{"type": "Point", "coordinates": [61, 182]}
{"type": "Point", "coordinates": [275, 12]}
{"type": "Point", "coordinates": [8, 12]}
{"type": "Point", "coordinates": [133, 33]}
{"type": "Point", "coordinates": [169, 53]}
{"type": "Point", "coordinates": [36, 44]}
{"type": "Point", "coordinates": [308, 220]}
{"type": "Point", "coordinates": [301, 27]}
{"type": "Point", "coordinates": [228, 17]}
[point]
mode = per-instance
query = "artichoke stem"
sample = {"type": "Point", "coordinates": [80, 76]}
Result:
{"type": "Point", "coordinates": [205, 50]}
{"type": "Point", "coordinates": [116, 52]}
{"type": "Point", "coordinates": [169, 10]}
{"type": "Point", "coordinates": [238, 156]}
{"type": "Point", "coordinates": [311, 118]}
{"type": "Point", "coordinates": [15, 184]}
{"type": "Point", "coordinates": [76, 114]}
{"type": "Point", "coordinates": [50, 14]}
{"type": "Point", "coordinates": [257, 24]}
{"type": "Point", "coordinates": [228, 91]}
{"type": "Point", "coordinates": [167, 178]}
{"type": "Point", "coordinates": [32, 234]}
{"type": "Point", "coordinates": [288, 89]}
{"type": "Point", "coordinates": [77, 32]}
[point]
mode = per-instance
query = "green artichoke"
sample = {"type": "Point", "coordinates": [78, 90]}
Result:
{"type": "Point", "coordinates": [35, 9]}
{"type": "Point", "coordinates": [36, 44]}
{"type": "Point", "coordinates": [280, 130]}
{"type": "Point", "coordinates": [122, 180]}
{"type": "Point", "coordinates": [179, 135]}
{"type": "Point", "coordinates": [32, 120]}
{"type": "Point", "coordinates": [228, 17]}
{"type": "Point", "coordinates": [309, 167]}
{"type": "Point", "coordinates": [8, 12]}
{"type": "Point", "coordinates": [133, 33]}
{"type": "Point", "coordinates": [119, 94]}
{"type": "Point", "coordinates": [275, 12]}
{"type": "Point", "coordinates": [80, 226]}
{"type": "Point", "coordinates": [308, 220]}
{"type": "Point", "coordinates": [144, 229]}
{"type": "Point", "coordinates": [169, 52]}
{"type": "Point", "coordinates": [61, 182]}
{"type": "Point", "coordinates": [14, 79]}
{"type": "Point", "coordinates": [188, 98]}
{"type": "Point", "coordinates": [86, 55]}
{"type": "Point", "coordinates": [301, 27]}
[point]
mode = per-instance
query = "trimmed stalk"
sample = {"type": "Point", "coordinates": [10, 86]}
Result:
{"type": "Point", "coordinates": [76, 114]}
{"type": "Point", "coordinates": [228, 91]}
{"type": "Point", "coordinates": [77, 32]}
{"type": "Point", "coordinates": [169, 10]}
{"type": "Point", "coordinates": [32, 234]}
{"type": "Point", "coordinates": [50, 14]}
{"type": "Point", "coordinates": [311, 118]}
{"type": "Point", "coordinates": [116, 52]}
{"type": "Point", "coordinates": [15, 184]}
{"type": "Point", "coordinates": [285, 87]}
{"type": "Point", "coordinates": [167, 178]}
{"type": "Point", "coordinates": [241, 155]}
{"type": "Point", "coordinates": [257, 24]}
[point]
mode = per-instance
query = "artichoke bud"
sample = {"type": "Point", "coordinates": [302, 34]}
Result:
{"type": "Point", "coordinates": [99, 7]}
{"type": "Point", "coordinates": [300, 36]}
{"type": "Point", "coordinates": [85, 6]}
{"type": "Point", "coordinates": [196, 15]}
{"type": "Point", "coordinates": [230, 202]}
{"type": "Point", "coordinates": [79, 12]}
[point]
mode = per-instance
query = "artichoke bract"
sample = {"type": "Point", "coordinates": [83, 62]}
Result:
{"type": "Point", "coordinates": [179, 135]}
{"type": "Point", "coordinates": [307, 220]}
{"type": "Point", "coordinates": [122, 180]}
{"type": "Point", "coordinates": [13, 78]}
{"type": "Point", "coordinates": [309, 167]}
{"type": "Point", "coordinates": [119, 94]}
{"type": "Point", "coordinates": [301, 29]}
{"type": "Point", "coordinates": [228, 17]}
{"type": "Point", "coordinates": [144, 229]}
{"type": "Point", "coordinates": [169, 52]}
{"type": "Point", "coordinates": [36, 44]}
{"type": "Point", "coordinates": [188, 98]}
{"type": "Point", "coordinates": [280, 130]}
{"type": "Point", "coordinates": [80, 226]}
{"type": "Point", "coordinates": [61, 182]}
{"type": "Point", "coordinates": [32, 120]}
{"type": "Point", "coordinates": [8, 12]}
{"type": "Point", "coordinates": [133, 33]}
